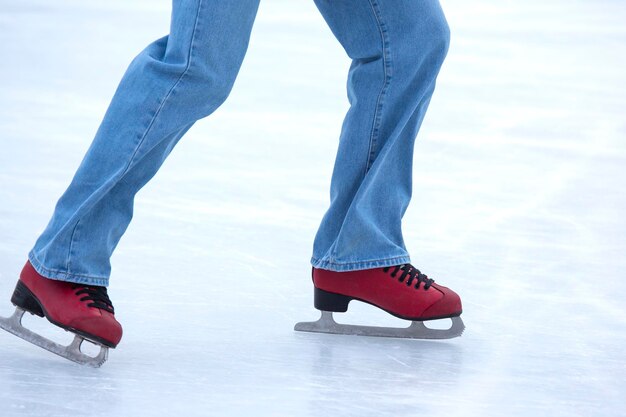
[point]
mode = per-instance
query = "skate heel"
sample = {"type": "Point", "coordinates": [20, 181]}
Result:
{"type": "Point", "coordinates": [328, 301]}
{"type": "Point", "coordinates": [24, 299]}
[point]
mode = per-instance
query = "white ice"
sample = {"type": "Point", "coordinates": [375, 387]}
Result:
{"type": "Point", "coordinates": [519, 205]}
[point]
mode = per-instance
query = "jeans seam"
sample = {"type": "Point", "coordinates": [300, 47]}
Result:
{"type": "Point", "coordinates": [170, 92]}
{"type": "Point", "coordinates": [367, 264]}
{"type": "Point", "coordinates": [359, 262]}
{"type": "Point", "coordinates": [68, 261]}
{"type": "Point", "coordinates": [386, 81]}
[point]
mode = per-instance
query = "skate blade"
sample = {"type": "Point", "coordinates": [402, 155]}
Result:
{"type": "Point", "coordinates": [416, 330]}
{"type": "Point", "coordinates": [72, 352]}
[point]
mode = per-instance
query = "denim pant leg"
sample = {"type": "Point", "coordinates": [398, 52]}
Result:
{"type": "Point", "coordinates": [397, 48]}
{"type": "Point", "coordinates": [174, 82]}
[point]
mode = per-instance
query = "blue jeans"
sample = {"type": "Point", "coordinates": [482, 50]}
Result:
{"type": "Point", "coordinates": [397, 48]}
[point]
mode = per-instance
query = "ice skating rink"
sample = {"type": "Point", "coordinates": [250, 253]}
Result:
{"type": "Point", "coordinates": [519, 205]}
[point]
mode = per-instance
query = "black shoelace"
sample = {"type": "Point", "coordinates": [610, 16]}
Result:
{"type": "Point", "coordinates": [412, 273]}
{"type": "Point", "coordinates": [97, 295]}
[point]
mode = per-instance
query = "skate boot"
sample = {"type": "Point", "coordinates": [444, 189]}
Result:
{"type": "Point", "coordinates": [84, 310]}
{"type": "Point", "coordinates": [401, 290]}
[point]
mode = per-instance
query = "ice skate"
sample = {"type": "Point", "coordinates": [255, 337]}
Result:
{"type": "Point", "coordinates": [402, 291]}
{"type": "Point", "coordinates": [83, 310]}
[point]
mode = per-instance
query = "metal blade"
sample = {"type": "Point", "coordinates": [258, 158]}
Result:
{"type": "Point", "coordinates": [72, 352]}
{"type": "Point", "coordinates": [417, 329]}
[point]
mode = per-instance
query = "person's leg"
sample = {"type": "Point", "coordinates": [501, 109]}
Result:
{"type": "Point", "coordinates": [397, 48]}
{"type": "Point", "coordinates": [175, 81]}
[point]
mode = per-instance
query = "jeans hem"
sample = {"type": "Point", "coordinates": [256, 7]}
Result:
{"type": "Point", "coordinates": [58, 275]}
{"type": "Point", "coordinates": [360, 265]}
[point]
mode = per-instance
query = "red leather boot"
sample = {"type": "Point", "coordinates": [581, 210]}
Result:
{"type": "Point", "coordinates": [402, 291]}
{"type": "Point", "coordinates": [82, 309]}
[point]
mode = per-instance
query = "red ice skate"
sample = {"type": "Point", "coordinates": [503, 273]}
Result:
{"type": "Point", "coordinates": [402, 291]}
{"type": "Point", "coordinates": [84, 310]}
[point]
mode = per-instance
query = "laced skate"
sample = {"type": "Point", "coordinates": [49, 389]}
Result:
{"type": "Point", "coordinates": [402, 291]}
{"type": "Point", "coordinates": [81, 309]}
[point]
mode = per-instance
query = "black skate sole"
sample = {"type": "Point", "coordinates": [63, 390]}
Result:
{"type": "Point", "coordinates": [338, 303]}
{"type": "Point", "coordinates": [27, 301]}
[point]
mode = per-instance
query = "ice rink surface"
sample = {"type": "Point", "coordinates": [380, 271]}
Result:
{"type": "Point", "coordinates": [519, 205]}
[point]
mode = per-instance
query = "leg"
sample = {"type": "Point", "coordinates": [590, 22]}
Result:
{"type": "Point", "coordinates": [175, 81]}
{"type": "Point", "coordinates": [397, 48]}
